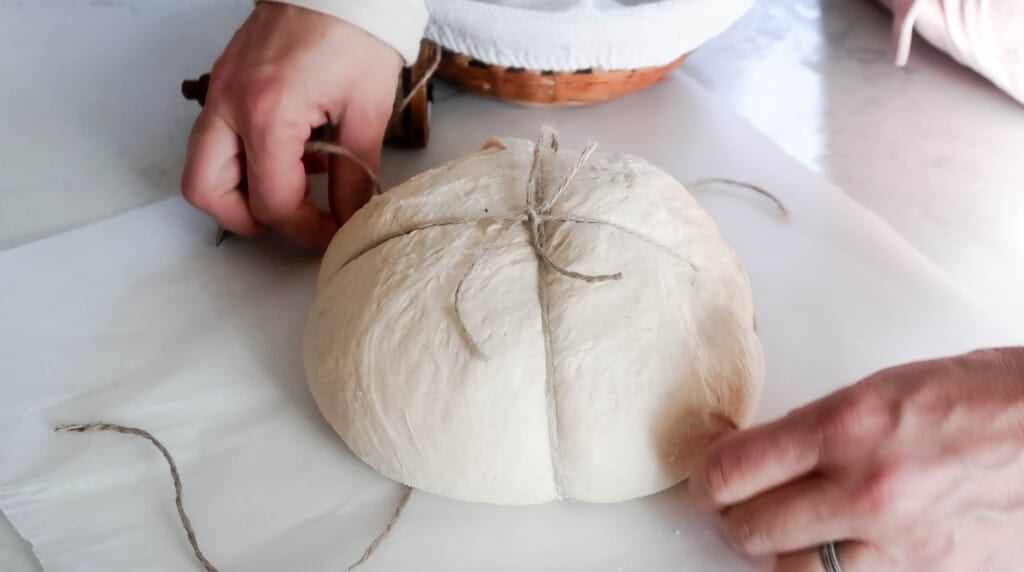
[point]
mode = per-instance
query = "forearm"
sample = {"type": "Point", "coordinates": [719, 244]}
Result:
{"type": "Point", "coordinates": [398, 23]}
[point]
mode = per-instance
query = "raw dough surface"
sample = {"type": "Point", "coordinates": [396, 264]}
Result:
{"type": "Point", "coordinates": [640, 363]}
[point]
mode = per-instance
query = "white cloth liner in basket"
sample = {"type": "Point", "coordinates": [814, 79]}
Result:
{"type": "Point", "coordinates": [572, 35]}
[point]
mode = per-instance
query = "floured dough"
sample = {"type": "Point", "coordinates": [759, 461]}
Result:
{"type": "Point", "coordinates": [640, 365]}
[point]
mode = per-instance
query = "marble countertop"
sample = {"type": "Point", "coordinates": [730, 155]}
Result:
{"type": "Point", "coordinates": [934, 149]}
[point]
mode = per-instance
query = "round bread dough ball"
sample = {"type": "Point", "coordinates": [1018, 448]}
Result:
{"type": "Point", "coordinates": [537, 384]}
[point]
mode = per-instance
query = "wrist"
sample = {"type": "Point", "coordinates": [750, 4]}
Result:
{"type": "Point", "coordinates": [397, 23]}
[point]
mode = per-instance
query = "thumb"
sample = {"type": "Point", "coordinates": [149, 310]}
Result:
{"type": "Point", "coordinates": [717, 426]}
{"type": "Point", "coordinates": [351, 186]}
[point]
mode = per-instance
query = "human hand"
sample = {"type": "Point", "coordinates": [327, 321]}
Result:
{"type": "Point", "coordinates": [919, 467]}
{"type": "Point", "coordinates": [286, 71]}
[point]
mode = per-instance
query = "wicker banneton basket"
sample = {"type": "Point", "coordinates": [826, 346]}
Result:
{"type": "Point", "coordinates": [546, 88]}
{"type": "Point", "coordinates": [570, 52]}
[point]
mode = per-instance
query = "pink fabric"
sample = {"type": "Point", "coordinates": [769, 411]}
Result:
{"type": "Point", "coordinates": [984, 35]}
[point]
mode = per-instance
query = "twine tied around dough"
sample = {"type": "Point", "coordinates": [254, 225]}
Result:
{"type": "Point", "coordinates": [537, 213]}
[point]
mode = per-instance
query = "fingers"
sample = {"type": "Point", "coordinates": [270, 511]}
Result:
{"type": "Point", "coordinates": [213, 171]}
{"type": "Point", "coordinates": [362, 132]}
{"type": "Point", "coordinates": [746, 463]}
{"type": "Point", "coordinates": [853, 557]}
{"type": "Point", "coordinates": [277, 187]}
{"type": "Point", "coordinates": [276, 180]}
{"type": "Point", "coordinates": [796, 516]}
{"type": "Point", "coordinates": [315, 162]}
{"type": "Point", "coordinates": [270, 89]}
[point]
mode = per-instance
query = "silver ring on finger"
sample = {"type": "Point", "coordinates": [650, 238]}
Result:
{"type": "Point", "coordinates": [830, 557]}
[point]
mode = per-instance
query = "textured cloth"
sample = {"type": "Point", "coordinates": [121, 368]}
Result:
{"type": "Point", "coordinates": [984, 35]}
{"type": "Point", "coordinates": [398, 23]}
{"type": "Point", "coordinates": [556, 35]}
{"type": "Point", "coordinates": [569, 35]}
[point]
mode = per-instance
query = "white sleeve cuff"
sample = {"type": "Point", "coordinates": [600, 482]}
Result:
{"type": "Point", "coordinates": [398, 23]}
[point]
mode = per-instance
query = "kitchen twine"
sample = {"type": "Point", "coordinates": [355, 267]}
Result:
{"type": "Point", "coordinates": [339, 150]}
{"type": "Point", "coordinates": [537, 213]}
{"type": "Point", "coordinates": [342, 151]}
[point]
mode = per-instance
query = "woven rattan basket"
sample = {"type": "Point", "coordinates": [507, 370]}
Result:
{"type": "Point", "coordinates": [546, 88]}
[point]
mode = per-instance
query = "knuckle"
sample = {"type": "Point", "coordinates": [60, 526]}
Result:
{"type": "Point", "coordinates": [381, 116]}
{"type": "Point", "coordinates": [194, 193]}
{"type": "Point", "coordinates": [220, 82]}
{"type": "Point", "coordinates": [932, 545]}
{"type": "Point", "coordinates": [265, 211]}
{"type": "Point", "coordinates": [744, 533]}
{"type": "Point", "coordinates": [374, 112]}
{"type": "Point", "coordinates": [864, 410]}
{"type": "Point", "coordinates": [718, 474]}
{"type": "Point", "coordinates": [272, 208]}
{"type": "Point", "coordinates": [880, 497]}
{"type": "Point", "coordinates": [987, 354]}
{"type": "Point", "coordinates": [261, 102]}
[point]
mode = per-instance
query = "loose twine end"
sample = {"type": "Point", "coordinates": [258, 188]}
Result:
{"type": "Point", "coordinates": [743, 185]}
{"type": "Point", "coordinates": [404, 500]}
{"type": "Point", "coordinates": [186, 523]}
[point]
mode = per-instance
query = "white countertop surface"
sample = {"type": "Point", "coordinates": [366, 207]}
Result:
{"type": "Point", "coordinates": [933, 149]}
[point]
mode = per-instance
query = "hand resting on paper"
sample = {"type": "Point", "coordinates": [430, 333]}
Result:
{"type": "Point", "coordinates": [916, 468]}
{"type": "Point", "coordinates": [286, 71]}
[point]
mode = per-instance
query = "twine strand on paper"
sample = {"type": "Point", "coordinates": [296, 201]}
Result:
{"type": "Point", "coordinates": [404, 500]}
{"type": "Point", "coordinates": [742, 185]}
{"type": "Point", "coordinates": [186, 523]}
